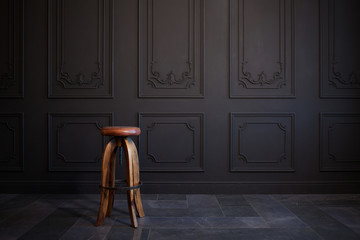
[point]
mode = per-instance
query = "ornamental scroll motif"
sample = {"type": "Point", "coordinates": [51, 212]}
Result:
{"type": "Point", "coordinates": [79, 79]}
{"type": "Point", "coordinates": [262, 78]}
{"type": "Point", "coordinates": [93, 81]}
{"type": "Point", "coordinates": [337, 79]}
{"type": "Point", "coordinates": [171, 80]}
{"type": "Point", "coordinates": [7, 79]}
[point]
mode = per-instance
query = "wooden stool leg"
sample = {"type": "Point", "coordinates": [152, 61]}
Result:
{"type": "Point", "coordinates": [112, 180]}
{"type": "Point", "coordinates": [131, 155]}
{"type": "Point", "coordinates": [105, 175]}
{"type": "Point", "coordinates": [136, 179]}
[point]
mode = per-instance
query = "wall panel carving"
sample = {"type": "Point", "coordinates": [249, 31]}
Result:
{"type": "Point", "coordinates": [80, 48]}
{"type": "Point", "coordinates": [262, 142]}
{"type": "Point", "coordinates": [171, 48]}
{"type": "Point", "coordinates": [171, 141]}
{"type": "Point", "coordinates": [11, 142]}
{"type": "Point", "coordinates": [11, 48]}
{"type": "Point", "coordinates": [340, 50]}
{"type": "Point", "coordinates": [339, 142]}
{"type": "Point", "coordinates": [70, 134]}
{"type": "Point", "coordinates": [261, 49]}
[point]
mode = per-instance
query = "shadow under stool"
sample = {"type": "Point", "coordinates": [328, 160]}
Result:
{"type": "Point", "coordinates": [120, 139]}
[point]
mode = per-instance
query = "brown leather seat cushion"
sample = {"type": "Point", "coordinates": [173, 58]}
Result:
{"type": "Point", "coordinates": [120, 131]}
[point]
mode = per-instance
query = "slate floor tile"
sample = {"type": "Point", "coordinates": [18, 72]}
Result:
{"type": "Point", "coordinates": [275, 213]}
{"type": "Point", "coordinates": [202, 201]}
{"type": "Point", "coordinates": [232, 200]}
{"type": "Point", "coordinates": [172, 197]}
{"type": "Point", "coordinates": [71, 196]}
{"type": "Point", "coordinates": [167, 222]}
{"type": "Point", "coordinates": [81, 203]}
{"type": "Point", "coordinates": [233, 234]}
{"type": "Point", "coordinates": [128, 233]}
{"type": "Point", "coordinates": [348, 216]}
{"type": "Point", "coordinates": [239, 211]}
{"type": "Point", "coordinates": [84, 228]}
{"type": "Point", "coordinates": [54, 225]}
{"type": "Point", "coordinates": [6, 197]}
{"type": "Point", "coordinates": [202, 222]}
{"type": "Point", "coordinates": [19, 201]}
{"type": "Point", "coordinates": [13, 205]}
{"type": "Point", "coordinates": [179, 216]}
{"type": "Point", "coordinates": [21, 222]}
{"type": "Point", "coordinates": [177, 212]}
{"type": "Point", "coordinates": [230, 222]}
{"type": "Point", "coordinates": [325, 225]}
{"type": "Point", "coordinates": [46, 203]}
{"type": "Point", "coordinates": [165, 204]}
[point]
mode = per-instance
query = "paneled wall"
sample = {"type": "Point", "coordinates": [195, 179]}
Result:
{"type": "Point", "coordinates": [231, 96]}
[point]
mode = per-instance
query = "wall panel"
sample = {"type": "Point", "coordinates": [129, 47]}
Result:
{"type": "Point", "coordinates": [340, 141]}
{"type": "Point", "coordinates": [262, 142]}
{"type": "Point", "coordinates": [11, 48]}
{"type": "Point", "coordinates": [70, 134]}
{"type": "Point", "coordinates": [80, 42]}
{"type": "Point", "coordinates": [171, 141]}
{"type": "Point", "coordinates": [261, 49]}
{"type": "Point", "coordinates": [11, 142]}
{"type": "Point", "coordinates": [340, 49]}
{"type": "Point", "coordinates": [171, 48]}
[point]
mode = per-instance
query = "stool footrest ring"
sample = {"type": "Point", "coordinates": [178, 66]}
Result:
{"type": "Point", "coordinates": [121, 181]}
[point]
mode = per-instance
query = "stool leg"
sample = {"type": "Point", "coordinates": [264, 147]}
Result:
{"type": "Point", "coordinates": [136, 179]}
{"type": "Point", "coordinates": [112, 180]}
{"type": "Point", "coordinates": [134, 200]}
{"type": "Point", "coordinates": [105, 175]}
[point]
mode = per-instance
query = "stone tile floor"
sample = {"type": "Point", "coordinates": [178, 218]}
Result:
{"type": "Point", "coordinates": [175, 216]}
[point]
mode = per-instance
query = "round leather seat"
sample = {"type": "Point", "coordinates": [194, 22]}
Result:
{"type": "Point", "coordinates": [120, 131]}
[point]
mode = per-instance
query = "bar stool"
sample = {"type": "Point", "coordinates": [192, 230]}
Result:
{"type": "Point", "coordinates": [109, 184]}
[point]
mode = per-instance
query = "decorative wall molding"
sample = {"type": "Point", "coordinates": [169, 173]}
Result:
{"type": "Point", "coordinates": [174, 68]}
{"type": "Point", "coordinates": [262, 77]}
{"type": "Point", "coordinates": [339, 61]}
{"type": "Point", "coordinates": [11, 141]}
{"type": "Point", "coordinates": [80, 73]}
{"type": "Point", "coordinates": [171, 142]}
{"type": "Point", "coordinates": [186, 80]}
{"type": "Point", "coordinates": [271, 73]}
{"type": "Point", "coordinates": [12, 49]}
{"type": "Point", "coordinates": [70, 134]}
{"type": "Point", "coordinates": [339, 141]}
{"type": "Point", "coordinates": [186, 158]}
{"type": "Point", "coordinates": [60, 152]}
{"type": "Point", "coordinates": [262, 142]}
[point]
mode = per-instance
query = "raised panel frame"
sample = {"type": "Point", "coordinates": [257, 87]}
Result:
{"type": "Point", "coordinates": [102, 75]}
{"type": "Point", "coordinates": [171, 84]}
{"type": "Point", "coordinates": [12, 80]}
{"type": "Point", "coordinates": [281, 83]}
{"type": "Point", "coordinates": [57, 121]}
{"type": "Point", "coordinates": [186, 121]}
{"type": "Point", "coordinates": [15, 160]}
{"type": "Point", "coordinates": [333, 83]}
{"type": "Point", "coordinates": [329, 161]}
{"type": "Point", "coordinates": [285, 122]}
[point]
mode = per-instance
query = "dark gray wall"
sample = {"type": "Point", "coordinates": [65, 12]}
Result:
{"type": "Point", "coordinates": [231, 95]}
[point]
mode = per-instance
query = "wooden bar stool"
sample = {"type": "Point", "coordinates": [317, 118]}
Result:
{"type": "Point", "coordinates": [109, 184]}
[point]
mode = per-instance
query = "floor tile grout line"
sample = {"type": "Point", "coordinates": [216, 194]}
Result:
{"type": "Point", "coordinates": [148, 237]}
{"type": "Point", "coordinates": [271, 196]}
{"type": "Point", "coordinates": [318, 207]}
{"type": "Point", "coordinates": [217, 200]}
{"type": "Point", "coordinates": [260, 215]}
